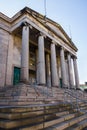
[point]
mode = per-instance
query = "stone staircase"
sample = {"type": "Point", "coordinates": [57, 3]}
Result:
{"type": "Point", "coordinates": [42, 117]}
{"type": "Point", "coordinates": [23, 94]}
{"type": "Point", "coordinates": [25, 107]}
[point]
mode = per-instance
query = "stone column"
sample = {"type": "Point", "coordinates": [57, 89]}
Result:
{"type": "Point", "coordinates": [63, 68]}
{"type": "Point", "coordinates": [59, 66]}
{"type": "Point", "coordinates": [37, 68]}
{"type": "Point", "coordinates": [57, 59]}
{"type": "Point", "coordinates": [59, 70]}
{"type": "Point", "coordinates": [76, 72]}
{"type": "Point", "coordinates": [41, 60]}
{"type": "Point", "coordinates": [67, 73]}
{"type": "Point", "coordinates": [25, 54]}
{"type": "Point", "coordinates": [48, 73]}
{"type": "Point", "coordinates": [55, 78]}
{"type": "Point", "coordinates": [71, 80]}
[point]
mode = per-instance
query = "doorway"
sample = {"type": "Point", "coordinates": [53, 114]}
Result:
{"type": "Point", "coordinates": [16, 79]}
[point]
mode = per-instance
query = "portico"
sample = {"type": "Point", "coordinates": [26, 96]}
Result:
{"type": "Point", "coordinates": [36, 46]}
{"type": "Point", "coordinates": [46, 64]}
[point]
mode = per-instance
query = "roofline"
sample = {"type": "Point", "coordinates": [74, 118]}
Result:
{"type": "Point", "coordinates": [4, 17]}
{"type": "Point", "coordinates": [29, 10]}
{"type": "Point", "coordinates": [62, 30]}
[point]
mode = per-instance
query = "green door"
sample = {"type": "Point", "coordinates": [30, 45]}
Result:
{"type": "Point", "coordinates": [16, 75]}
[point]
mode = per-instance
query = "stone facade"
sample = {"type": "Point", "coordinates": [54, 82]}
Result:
{"type": "Point", "coordinates": [4, 42]}
{"type": "Point", "coordinates": [34, 49]}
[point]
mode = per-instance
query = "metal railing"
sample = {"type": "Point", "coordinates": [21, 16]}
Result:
{"type": "Point", "coordinates": [74, 97]}
{"type": "Point", "coordinates": [45, 90]}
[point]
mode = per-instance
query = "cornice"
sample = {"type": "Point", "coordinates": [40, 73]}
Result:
{"type": "Point", "coordinates": [5, 18]}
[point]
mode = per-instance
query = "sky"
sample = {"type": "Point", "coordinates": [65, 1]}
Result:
{"type": "Point", "coordinates": [70, 14]}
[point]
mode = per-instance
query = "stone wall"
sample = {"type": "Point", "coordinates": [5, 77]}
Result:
{"type": "Point", "coordinates": [3, 56]}
{"type": "Point", "coordinates": [17, 51]}
{"type": "Point", "coordinates": [9, 72]}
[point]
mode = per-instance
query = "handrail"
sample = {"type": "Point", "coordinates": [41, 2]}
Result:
{"type": "Point", "coordinates": [74, 97]}
{"type": "Point", "coordinates": [44, 91]}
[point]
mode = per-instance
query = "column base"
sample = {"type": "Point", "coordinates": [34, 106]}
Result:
{"type": "Point", "coordinates": [24, 81]}
{"type": "Point", "coordinates": [55, 86]}
{"type": "Point", "coordinates": [41, 84]}
{"type": "Point", "coordinates": [78, 89]}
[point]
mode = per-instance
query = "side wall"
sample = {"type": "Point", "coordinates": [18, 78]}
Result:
{"type": "Point", "coordinates": [14, 57]}
{"type": "Point", "coordinates": [9, 72]}
{"type": "Point", "coordinates": [4, 39]}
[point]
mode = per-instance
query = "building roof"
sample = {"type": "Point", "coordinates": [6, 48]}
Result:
{"type": "Point", "coordinates": [47, 22]}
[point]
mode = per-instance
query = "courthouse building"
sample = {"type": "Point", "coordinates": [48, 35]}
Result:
{"type": "Point", "coordinates": [35, 49]}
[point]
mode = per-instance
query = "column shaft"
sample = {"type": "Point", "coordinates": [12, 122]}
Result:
{"type": "Point", "coordinates": [71, 80]}
{"type": "Point", "coordinates": [76, 73]}
{"type": "Point", "coordinates": [55, 78]}
{"type": "Point", "coordinates": [67, 73]}
{"type": "Point", "coordinates": [59, 67]}
{"type": "Point", "coordinates": [41, 60]}
{"type": "Point", "coordinates": [48, 73]}
{"type": "Point", "coordinates": [25, 54]}
{"type": "Point", "coordinates": [63, 68]}
{"type": "Point", "coordinates": [37, 68]}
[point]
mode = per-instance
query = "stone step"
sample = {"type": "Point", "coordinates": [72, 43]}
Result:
{"type": "Point", "coordinates": [21, 115]}
{"type": "Point", "coordinates": [37, 126]}
{"type": "Point", "coordinates": [28, 101]}
{"type": "Point", "coordinates": [82, 109]}
{"type": "Point", "coordinates": [47, 123]}
{"type": "Point", "coordinates": [78, 126]}
{"type": "Point", "coordinates": [17, 117]}
{"type": "Point", "coordinates": [21, 109]}
{"type": "Point", "coordinates": [20, 103]}
{"type": "Point", "coordinates": [33, 107]}
{"type": "Point", "coordinates": [28, 97]}
{"type": "Point", "coordinates": [65, 125]}
{"type": "Point", "coordinates": [23, 97]}
{"type": "Point", "coordinates": [7, 124]}
{"type": "Point", "coordinates": [47, 110]}
{"type": "Point", "coordinates": [84, 128]}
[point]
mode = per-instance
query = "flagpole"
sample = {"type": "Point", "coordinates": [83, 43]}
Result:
{"type": "Point", "coordinates": [45, 8]}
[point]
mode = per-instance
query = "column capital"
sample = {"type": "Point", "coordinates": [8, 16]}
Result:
{"type": "Point", "coordinates": [42, 34]}
{"type": "Point", "coordinates": [74, 57]}
{"type": "Point", "coordinates": [53, 42]}
{"type": "Point", "coordinates": [61, 48]}
{"type": "Point", "coordinates": [25, 23]}
{"type": "Point", "coordinates": [69, 54]}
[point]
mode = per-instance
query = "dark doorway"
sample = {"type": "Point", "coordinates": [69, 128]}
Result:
{"type": "Point", "coordinates": [61, 83]}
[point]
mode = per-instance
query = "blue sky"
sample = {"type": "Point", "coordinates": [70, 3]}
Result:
{"type": "Point", "coordinates": [70, 14]}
